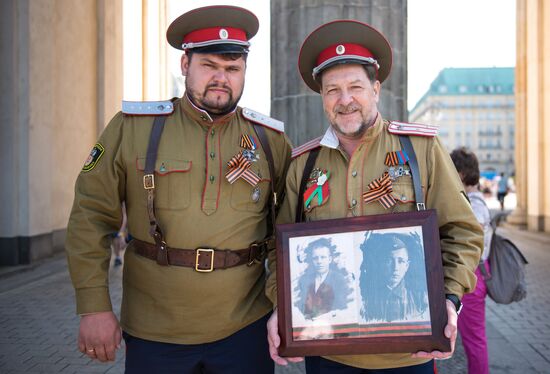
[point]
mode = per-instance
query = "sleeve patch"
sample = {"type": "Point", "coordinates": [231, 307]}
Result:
{"type": "Point", "coordinates": [92, 160]}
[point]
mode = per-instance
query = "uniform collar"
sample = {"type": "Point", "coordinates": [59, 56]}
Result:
{"type": "Point", "coordinates": [201, 115]}
{"type": "Point", "coordinates": [330, 139]}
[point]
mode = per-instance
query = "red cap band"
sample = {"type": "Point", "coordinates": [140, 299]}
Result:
{"type": "Point", "coordinates": [215, 34]}
{"type": "Point", "coordinates": [343, 49]}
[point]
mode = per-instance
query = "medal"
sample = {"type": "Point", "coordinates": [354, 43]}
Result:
{"type": "Point", "coordinates": [396, 158]}
{"type": "Point", "coordinates": [256, 193]}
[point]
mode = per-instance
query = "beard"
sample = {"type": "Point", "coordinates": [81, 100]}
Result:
{"type": "Point", "coordinates": [214, 104]}
{"type": "Point", "coordinates": [347, 109]}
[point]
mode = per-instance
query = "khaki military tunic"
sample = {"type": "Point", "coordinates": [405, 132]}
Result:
{"type": "Point", "coordinates": [195, 206]}
{"type": "Point", "coordinates": [461, 235]}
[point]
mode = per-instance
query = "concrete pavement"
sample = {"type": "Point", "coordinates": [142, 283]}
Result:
{"type": "Point", "coordinates": [39, 327]}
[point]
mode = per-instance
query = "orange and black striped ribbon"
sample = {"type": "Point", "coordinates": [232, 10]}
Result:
{"type": "Point", "coordinates": [248, 142]}
{"type": "Point", "coordinates": [396, 158]}
{"type": "Point", "coordinates": [380, 190]}
{"type": "Point", "coordinates": [239, 167]}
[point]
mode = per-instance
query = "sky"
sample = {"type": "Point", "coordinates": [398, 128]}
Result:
{"type": "Point", "coordinates": [441, 33]}
{"type": "Point", "coordinates": [457, 33]}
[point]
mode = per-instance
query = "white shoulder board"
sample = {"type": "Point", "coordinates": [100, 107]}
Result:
{"type": "Point", "coordinates": [263, 120]}
{"type": "Point", "coordinates": [147, 108]}
{"type": "Point", "coordinates": [418, 129]}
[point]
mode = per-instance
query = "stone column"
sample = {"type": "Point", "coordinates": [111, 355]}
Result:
{"type": "Point", "coordinates": [61, 77]}
{"type": "Point", "coordinates": [292, 20]}
{"type": "Point", "coordinates": [533, 116]}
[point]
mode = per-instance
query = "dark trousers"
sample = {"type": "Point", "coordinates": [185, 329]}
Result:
{"type": "Point", "coordinates": [246, 351]}
{"type": "Point", "coordinates": [319, 365]}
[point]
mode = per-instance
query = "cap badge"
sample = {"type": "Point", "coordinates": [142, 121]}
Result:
{"type": "Point", "coordinates": [224, 34]}
{"type": "Point", "coordinates": [340, 49]}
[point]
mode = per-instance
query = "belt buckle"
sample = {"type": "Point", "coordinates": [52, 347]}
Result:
{"type": "Point", "coordinates": [198, 253]}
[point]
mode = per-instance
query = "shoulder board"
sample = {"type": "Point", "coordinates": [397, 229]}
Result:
{"type": "Point", "coordinates": [306, 147]}
{"type": "Point", "coordinates": [147, 108]}
{"type": "Point", "coordinates": [417, 129]}
{"type": "Point", "coordinates": [263, 120]}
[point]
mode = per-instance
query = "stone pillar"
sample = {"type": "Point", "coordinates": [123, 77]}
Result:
{"type": "Point", "coordinates": [533, 116]}
{"type": "Point", "coordinates": [292, 20]}
{"type": "Point", "coordinates": [60, 79]}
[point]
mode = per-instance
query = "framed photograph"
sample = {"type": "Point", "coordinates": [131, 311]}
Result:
{"type": "Point", "coordinates": [370, 284]}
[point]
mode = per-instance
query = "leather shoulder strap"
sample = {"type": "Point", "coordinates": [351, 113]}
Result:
{"type": "Point", "coordinates": [310, 162]}
{"type": "Point", "coordinates": [262, 136]}
{"type": "Point", "coordinates": [149, 185]}
{"type": "Point", "coordinates": [413, 163]}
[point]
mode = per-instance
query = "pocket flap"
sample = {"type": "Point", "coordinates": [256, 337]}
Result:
{"type": "Point", "coordinates": [166, 166]}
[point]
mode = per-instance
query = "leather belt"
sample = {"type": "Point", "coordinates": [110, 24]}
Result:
{"type": "Point", "coordinates": [205, 260]}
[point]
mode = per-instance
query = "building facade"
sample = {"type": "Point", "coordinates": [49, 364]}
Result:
{"type": "Point", "coordinates": [475, 108]}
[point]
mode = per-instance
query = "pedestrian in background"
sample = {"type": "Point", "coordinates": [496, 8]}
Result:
{"type": "Point", "coordinates": [471, 323]}
{"type": "Point", "coordinates": [502, 189]}
{"type": "Point", "coordinates": [199, 176]}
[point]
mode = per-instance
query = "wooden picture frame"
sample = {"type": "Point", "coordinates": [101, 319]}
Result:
{"type": "Point", "coordinates": [346, 286]}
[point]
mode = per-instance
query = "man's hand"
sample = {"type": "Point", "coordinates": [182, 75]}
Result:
{"type": "Point", "coordinates": [99, 336]}
{"type": "Point", "coordinates": [274, 341]}
{"type": "Point", "coordinates": [450, 332]}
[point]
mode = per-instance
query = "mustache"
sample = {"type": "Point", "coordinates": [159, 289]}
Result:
{"type": "Point", "coordinates": [346, 109]}
{"type": "Point", "coordinates": [217, 85]}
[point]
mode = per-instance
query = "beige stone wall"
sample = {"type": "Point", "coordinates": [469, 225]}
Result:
{"type": "Point", "coordinates": [533, 115]}
{"type": "Point", "coordinates": [62, 74]}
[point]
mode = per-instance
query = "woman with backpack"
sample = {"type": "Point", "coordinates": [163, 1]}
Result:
{"type": "Point", "coordinates": [471, 323]}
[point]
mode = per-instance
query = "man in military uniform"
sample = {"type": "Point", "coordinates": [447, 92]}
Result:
{"type": "Point", "coordinates": [363, 170]}
{"type": "Point", "coordinates": [199, 176]}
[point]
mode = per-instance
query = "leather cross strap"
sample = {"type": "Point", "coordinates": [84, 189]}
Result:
{"type": "Point", "coordinates": [269, 156]}
{"type": "Point", "coordinates": [418, 195]}
{"type": "Point", "coordinates": [149, 185]}
{"type": "Point", "coordinates": [204, 260]}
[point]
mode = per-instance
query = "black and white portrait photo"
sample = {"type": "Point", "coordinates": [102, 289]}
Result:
{"type": "Point", "coordinates": [393, 277]}
{"type": "Point", "coordinates": [324, 285]}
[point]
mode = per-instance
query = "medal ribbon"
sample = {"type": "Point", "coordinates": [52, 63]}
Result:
{"type": "Point", "coordinates": [396, 158]}
{"type": "Point", "coordinates": [248, 142]}
{"type": "Point", "coordinates": [380, 190]}
{"type": "Point", "coordinates": [321, 191]}
{"type": "Point", "coordinates": [239, 167]}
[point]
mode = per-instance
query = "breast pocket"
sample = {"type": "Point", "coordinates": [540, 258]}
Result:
{"type": "Point", "coordinates": [172, 182]}
{"type": "Point", "coordinates": [403, 193]}
{"type": "Point", "coordinates": [248, 198]}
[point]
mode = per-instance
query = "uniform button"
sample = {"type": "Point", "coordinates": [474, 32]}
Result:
{"type": "Point", "coordinates": [354, 173]}
{"type": "Point", "coordinates": [203, 118]}
{"type": "Point", "coordinates": [353, 202]}
{"type": "Point", "coordinates": [212, 132]}
{"type": "Point", "coordinates": [212, 155]}
{"type": "Point", "coordinates": [212, 178]}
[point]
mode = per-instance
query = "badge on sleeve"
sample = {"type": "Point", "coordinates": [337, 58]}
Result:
{"type": "Point", "coordinates": [93, 158]}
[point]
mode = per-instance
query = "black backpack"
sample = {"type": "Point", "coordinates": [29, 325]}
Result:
{"type": "Point", "coordinates": [506, 281]}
